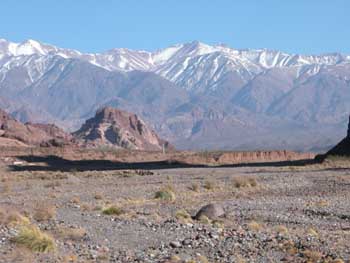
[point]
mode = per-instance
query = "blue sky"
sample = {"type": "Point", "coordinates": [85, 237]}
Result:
{"type": "Point", "coordinates": [297, 26]}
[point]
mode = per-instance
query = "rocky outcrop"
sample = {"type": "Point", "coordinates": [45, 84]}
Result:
{"type": "Point", "coordinates": [342, 148]}
{"type": "Point", "coordinates": [114, 127]}
{"type": "Point", "coordinates": [32, 134]}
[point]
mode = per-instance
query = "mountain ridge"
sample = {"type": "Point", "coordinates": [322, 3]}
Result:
{"type": "Point", "coordinates": [189, 92]}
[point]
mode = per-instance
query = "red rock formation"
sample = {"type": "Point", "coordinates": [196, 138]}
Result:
{"type": "Point", "coordinates": [119, 128]}
{"type": "Point", "coordinates": [32, 134]}
{"type": "Point", "coordinates": [246, 157]}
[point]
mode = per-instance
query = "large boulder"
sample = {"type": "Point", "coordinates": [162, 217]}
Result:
{"type": "Point", "coordinates": [211, 211]}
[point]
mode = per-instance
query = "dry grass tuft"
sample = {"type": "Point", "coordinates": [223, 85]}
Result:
{"type": "Point", "coordinates": [218, 224]}
{"type": "Point", "coordinates": [195, 187]}
{"type": "Point", "coordinates": [44, 213]}
{"type": "Point", "coordinates": [12, 218]}
{"type": "Point", "coordinates": [183, 216]}
{"type": "Point", "coordinates": [312, 232]}
{"type": "Point", "coordinates": [209, 185]}
{"type": "Point", "coordinates": [282, 229]}
{"type": "Point", "coordinates": [204, 220]}
{"type": "Point", "coordinates": [244, 181]}
{"type": "Point", "coordinates": [166, 194]}
{"type": "Point", "coordinates": [312, 255]}
{"type": "Point", "coordinates": [98, 196]}
{"type": "Point", "coordinates": [53, 184]}
{"type": "Point", "coordinates": [31, 237]}
{"type": "Point", "coordinates": [113, 210]}
{"type": "Point", "coordinates": [202, 259]}
{"type": "Point", "coordinates": [75, 200]}
{"type": "Point", "coordinates": [254, 226]}
{"type": "Point", "coordinates": [70, 259]}
{"type": "Point", "coordinates": [74, 234]}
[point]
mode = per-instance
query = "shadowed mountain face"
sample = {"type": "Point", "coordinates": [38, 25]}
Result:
{"type": "Point", "coordinates": [342, 148]}
{"type": "Point", "coordinates": [195, 95]}
{"type": "Point", "coordinates": [118, 128]}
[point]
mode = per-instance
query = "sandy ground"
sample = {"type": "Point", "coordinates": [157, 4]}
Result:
{"type": "Point", "coordinates": [273, 213]}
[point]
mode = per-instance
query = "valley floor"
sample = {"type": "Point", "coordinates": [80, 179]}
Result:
{"type": "Point", "coordinates": [273, 213]}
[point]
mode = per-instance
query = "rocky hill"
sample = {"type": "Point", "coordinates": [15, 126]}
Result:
{"type": "Point", "coordinates": [14, 133]}
{"type": "Point", "coordinates": [113, 127]}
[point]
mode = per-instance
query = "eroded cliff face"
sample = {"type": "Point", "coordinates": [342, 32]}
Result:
{"type": "Point", "coordinates": [245, 157]}
{"type": "Point", "coordinates": [119, 128]}
{"type": "Point", "coordinates": [32, 134]}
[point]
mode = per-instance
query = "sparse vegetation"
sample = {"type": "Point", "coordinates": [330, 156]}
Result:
{"type": "Point", "coordinates": [312, 232]}
{"type": "Point", "coordinates": [183, 216]}
{"type": "Point", "coordinates": [75, 200]}
{"type": "Point", "coordinates": [31, 237]}
{"type": "Point", "coordinates": [254, 226]}
{"type": "Point", "coordinates": [204, 220]}
{"type": "Point", "coordinates": [312, 255]}
{"type": "Point", "coordinates": [113, 210]}
{"type": "Point", "coordinates": [244, 181]}
{"type": "Point", "coordinates": [75, 234]}
{"type": "Point", "coordinates": [44, 213]}
{"type": "Point", "coordinates": [166, 194]}
{"type": "Point", "coordinates": [209, 185]}
{"type": "Point", "coordinates": [281, 229]}
{"type": "Point", "coordinates": [8, 217]}
{"type": "Point", "coordinates": [195, 187]}
{"type": "Point", "coordinates": [98, 196]}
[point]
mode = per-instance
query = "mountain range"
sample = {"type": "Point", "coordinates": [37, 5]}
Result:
{"type": "Point", "coordinates": [195, 95]}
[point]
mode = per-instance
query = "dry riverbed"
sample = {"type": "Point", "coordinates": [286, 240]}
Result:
{"type": "Point", "coordinates": [271, 214]}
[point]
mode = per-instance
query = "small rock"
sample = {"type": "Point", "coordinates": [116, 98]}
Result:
{"type": "Point", "coordinates": [175, 244]}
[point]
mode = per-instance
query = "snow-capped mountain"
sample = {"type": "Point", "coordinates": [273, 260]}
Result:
{"type": "Point", "coordinates": [203, 90]}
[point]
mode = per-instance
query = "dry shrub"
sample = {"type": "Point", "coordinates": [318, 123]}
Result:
{"type": "Point", "coordinates": [74, 234]}
{"type": "Point", "coordinates": [281, 229]}
{"type": "Point", "coordinates": [183, 216]}
{"type": "Point", "coordinates": [6, 187]}
{"type": "Point", "coordinates": [53, 184]}
{"type": "Point", "coordinates": [70, 259]}
{"type": "Point", "coordinates": [165, 194]}
{"type": "Point", "coordinates": [12, 218]}
{"type": "Point", "coordinates": [244, 181]}
{"type": "Point", "coordinates": [312, 255]}
{"type": "Point", "coordinates": [218, 224]}
{"type": "Point", "coordinates": [195, 187]}
{"type": "Point", "coordinates": [202, 259]}
{"type": "Point", "coordinates": [289, 247]}
{"type": "Point", "coordinates": [254, 226]}
{"type": "Point", "coordinates": [44, 213]}
{"type": "Point", "coordinates": [312, 232]}
{"type": "Point", "coordinates": [75, 200]}
{"type": "Point", "coordinates": [204, 220]}
{"type": "Point", "coordinates": [113, 210]}
{"type": "Point", "coordinates": [98, 196]}
{"type": "Point", "coordinates": [32, 238]}
{"type": "Point", "coordinates": [209, 185]}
